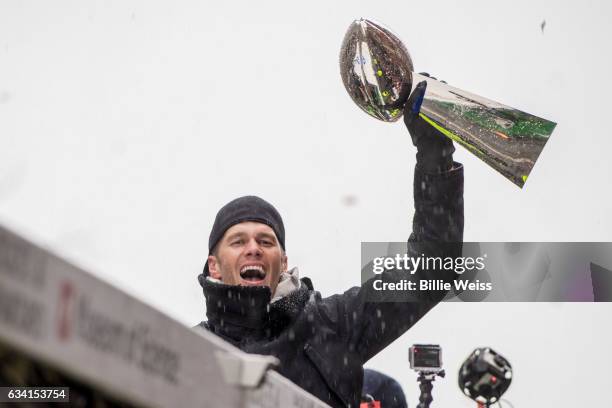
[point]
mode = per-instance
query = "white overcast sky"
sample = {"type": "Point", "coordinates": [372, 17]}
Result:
{"type": "Point", "coordinates": [124, 126]}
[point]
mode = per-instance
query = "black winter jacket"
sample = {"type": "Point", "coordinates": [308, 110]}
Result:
{"type": "Point", "coordinates": [322, 343]}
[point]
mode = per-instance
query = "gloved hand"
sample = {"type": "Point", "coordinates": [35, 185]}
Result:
{"type": "Point", "coordinates": [434, 150]}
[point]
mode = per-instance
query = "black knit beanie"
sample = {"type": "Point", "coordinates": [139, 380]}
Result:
{"type": "Point", "coordinates": [247, 208]}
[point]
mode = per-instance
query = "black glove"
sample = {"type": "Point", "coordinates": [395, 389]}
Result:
{"type": "Point", "coordinates": [434, 150]}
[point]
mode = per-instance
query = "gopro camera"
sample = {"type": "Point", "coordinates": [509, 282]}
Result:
{"type": "Point", "coordinates": [425, 358]}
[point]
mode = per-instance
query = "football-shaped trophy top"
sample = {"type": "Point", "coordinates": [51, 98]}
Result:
{"type": "Point", "coordinates": [376, 69]}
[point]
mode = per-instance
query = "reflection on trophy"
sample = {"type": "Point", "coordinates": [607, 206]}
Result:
{"type": "Point", "coordinates": [377, 72]}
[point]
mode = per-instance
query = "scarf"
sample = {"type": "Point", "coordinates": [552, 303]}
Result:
{"type": "Point", "coordinates": [248, 313]}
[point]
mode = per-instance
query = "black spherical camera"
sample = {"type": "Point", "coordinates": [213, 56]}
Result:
{"type": "Point", "coordinates": [485, 376]}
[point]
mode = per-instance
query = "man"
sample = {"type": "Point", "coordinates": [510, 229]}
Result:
{"type": "Point", "coordinates": [257, 304]}
{"type": "Point", "coordinates": [384, 389]}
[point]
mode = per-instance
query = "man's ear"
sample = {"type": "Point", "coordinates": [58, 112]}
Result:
{"type": "Point", "coordinates": [213, 267]}
{"type": "Point", "coordinates": [284, 263]}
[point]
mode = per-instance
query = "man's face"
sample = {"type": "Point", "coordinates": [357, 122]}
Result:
{"type": "Point", "coordinates": [249, 255]}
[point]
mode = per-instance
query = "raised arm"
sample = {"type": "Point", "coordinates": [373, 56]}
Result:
{"type": "Point", "coordinates": [438, 187]}
{"type": "Point", "coordinates": [437, 231]}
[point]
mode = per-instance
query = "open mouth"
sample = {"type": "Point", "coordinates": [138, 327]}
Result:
{"type": "Point", "coordinates": [252, 273]}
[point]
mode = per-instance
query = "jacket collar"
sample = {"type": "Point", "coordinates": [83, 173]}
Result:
{"type": "Point", "coordinates": [247, 313]}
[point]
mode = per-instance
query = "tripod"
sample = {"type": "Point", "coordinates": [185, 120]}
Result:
{"type": "Point", "coordinates": [425, 380]}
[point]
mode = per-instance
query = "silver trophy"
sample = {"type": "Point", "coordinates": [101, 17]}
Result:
{"type": "Point", "coordinates": [377, 72]}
